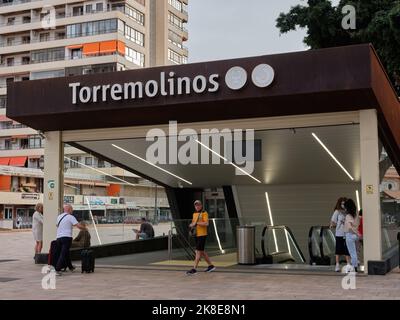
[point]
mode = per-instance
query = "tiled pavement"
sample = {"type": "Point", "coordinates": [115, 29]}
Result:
{"type": "Point", "coordinates": [136, 283]}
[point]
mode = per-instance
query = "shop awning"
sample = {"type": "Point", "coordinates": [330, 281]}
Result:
{"type": "Point", "coordinates": [75, 46]}
{"type": "Point", "coordinates": [4, 161]}
{"type": "Point", "coordinates": [108, 46]}
{"type": "Point", "coordinates": [91, 48]}
{"type": "Point", "coordinates": [18, 161]}
{"type": "Point", "coordinates": [121, 47]}
{"type": "Point", "coordinates": [20, 136]}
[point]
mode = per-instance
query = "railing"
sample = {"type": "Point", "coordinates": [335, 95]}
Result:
{"type": "Point", "coordinates": [69, 15]}
{"type": "Point", "coordinates": [53, 38]}
{"type": "Point", "coordinates": [22, 42]}
{"type": "Point", "coordinates": [10, 170]}
{"type": "Point", "coordinates": [19, 148]}
{"type": "Point", "coordinates": [183, 244]}
{"type": "Point", "coordinates": [178, 27]}
{"type": "Point", "coordinates": [285, 247]}
{"type": "Point", "coordinates": [321, 245]}
{"type": "Point", "coordinates": [3, 4]}
{"type": "Point", "coordinates": [13, 126]}
{"type": "Point", "coordinates": [63, 59]}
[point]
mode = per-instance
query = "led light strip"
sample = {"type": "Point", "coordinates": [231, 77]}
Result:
{"type": "Point", "coordinates": [100, 171]}
{"type": "Point", "coordinates": [91, 216]}
{"type": "Point", "coordinates": [358, 200]}
{"type": "Point", "coordinates": [216, 234]}
{"type": "Point", "coordinates": [271, 221]}
{"type": "Point", "coordinates": [332, 156]}
{"type": "Point", "coordinates": [287, 240]}
{"type": "Point", "coordinates": [152, 164]}
{"type": "Point", "coordinates": [226, 160]}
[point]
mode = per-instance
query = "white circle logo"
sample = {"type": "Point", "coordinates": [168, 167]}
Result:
{"type": "Point", "coordinates": [263, 75]}
{"type": "Point", "coordinates": [236, 78]}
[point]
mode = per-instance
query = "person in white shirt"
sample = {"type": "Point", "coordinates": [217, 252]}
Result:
{"type": "Point", "coordinates": [37, 227]}
{"type": "Point", "coordinates": [337, 221]}
{"type": "Point", "coordinates": [65, 223]}
{"type": "Point", "coordinates": [351, 231]}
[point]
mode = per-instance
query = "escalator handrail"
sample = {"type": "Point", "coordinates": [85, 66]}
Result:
{"type": "Point", "coordinates": [184, 243]}
{"type": "Point", "coordinates": [321, 244]}
{"type": "Point", "coordinates": [291, 235]}
{"type": "Point", "coordinates": [310, 233]}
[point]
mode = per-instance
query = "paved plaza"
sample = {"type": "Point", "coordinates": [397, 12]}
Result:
{"type": "Point", "coordinates": [20, 278]}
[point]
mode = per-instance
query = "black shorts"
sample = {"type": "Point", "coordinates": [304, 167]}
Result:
{"type": "Point", "coordinates": [200, 243]}
{"type": "Point", "coordinates": [341, 248]}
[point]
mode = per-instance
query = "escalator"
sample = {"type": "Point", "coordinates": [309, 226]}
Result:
{"type": "Point", "coordinates": [181, 241]}
{"type": "Point", "coordinates": [279, 246]}
{"type": "Point", "coordinates": [321, 245]}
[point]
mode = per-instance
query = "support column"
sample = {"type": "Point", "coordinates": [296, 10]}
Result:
{"type": "Point", "coordinates": [53, 185]}
{"type": "Point", "coordinates": [369, 144]}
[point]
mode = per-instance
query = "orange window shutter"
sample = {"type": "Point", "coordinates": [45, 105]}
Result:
{"type": "Point", "coordinates": [91, 48]}
{"type": "Point", "coordinates": [5, 183]}
{"type": "Point", "coordinates": [113, 190]}
{"type": "Point", "coordinates": [108, 46]}
{"type": "Point", "coordinates": [121, 47]}
{"type": "Point", "coordinates": [18, 161]}
{"type": "Point", "coordinates": [4, 161]}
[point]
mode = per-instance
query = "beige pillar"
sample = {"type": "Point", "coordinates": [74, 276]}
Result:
{"type": "Point", "coordinates": [370, 186]}
{"type": "Point", "coordinates": [53, 185]}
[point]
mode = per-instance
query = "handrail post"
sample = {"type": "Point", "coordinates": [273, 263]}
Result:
{"type": "Point", "coordinates": [170, 245]}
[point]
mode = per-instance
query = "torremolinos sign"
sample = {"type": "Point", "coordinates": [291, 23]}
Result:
{"type": "Point", "coordinates": [168, 84]}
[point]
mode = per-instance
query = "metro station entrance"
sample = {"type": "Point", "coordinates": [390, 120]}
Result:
{"type": "Point", "coordinates": [270, 141]}
{"type": "Point", "coordinates": [299, 173]}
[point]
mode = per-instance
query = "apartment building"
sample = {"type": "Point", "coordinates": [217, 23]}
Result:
{"type": "Point", "coordinates": [68, 38]}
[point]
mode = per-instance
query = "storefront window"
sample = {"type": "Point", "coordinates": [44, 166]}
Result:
{"type": "Point", "coordinates": [390, 204]}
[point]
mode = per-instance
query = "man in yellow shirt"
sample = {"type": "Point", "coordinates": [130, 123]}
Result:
{"type": "Point", "coordinates": [200, 222]}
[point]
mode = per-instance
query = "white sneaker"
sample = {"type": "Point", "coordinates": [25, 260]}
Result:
{"type": "Point", "coordinates": [347, 268]}
{"type": "Point", "coordinates": [337, 267]}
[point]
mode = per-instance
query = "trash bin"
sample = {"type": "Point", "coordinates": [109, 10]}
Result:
{"type": "Point", "coordinates": [245, 237]}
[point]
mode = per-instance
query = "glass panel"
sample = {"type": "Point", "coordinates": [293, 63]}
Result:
{"type": "Point", "coordinates": [390, 207]}
{"type": "Point", "coordinates": [221, 241]}
{"type": "Point", "coordinates": [112, 201]}
{"type": "Point", "coordinates": [329, 244]}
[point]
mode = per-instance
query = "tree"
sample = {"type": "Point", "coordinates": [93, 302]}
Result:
{"type": "Point", "coordinates": [377, 22]}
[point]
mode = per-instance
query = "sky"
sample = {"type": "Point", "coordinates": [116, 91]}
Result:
{"type": "Point", "coordinates": [225, 29]}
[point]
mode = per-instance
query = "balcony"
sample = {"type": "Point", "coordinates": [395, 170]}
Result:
{"type": "Point", "coordinates": [22, 5]}
{"type": "Point", "coordinates": [60, 19]}
{"type": "Point", "coordinates": [4, 153]}
{"type": "Point", "coordinates": [13, 131]}
{"type": "Point", "coordinates": [62, 62]}
{"type": "Point", "coordinates": [14, 2]}
{"type": "Point", "coordinates": [12, 198]}
{"type": "Point", "coordinates": [54, 42]}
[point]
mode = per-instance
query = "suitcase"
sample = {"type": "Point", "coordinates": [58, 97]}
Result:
{"type": "Point", "coordinates": [87, 258]}
{"type": "Point", "coordinates": [54, 254]}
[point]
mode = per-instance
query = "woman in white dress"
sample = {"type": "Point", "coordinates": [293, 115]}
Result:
{"type": "Point", "coordinates": [37, 227]}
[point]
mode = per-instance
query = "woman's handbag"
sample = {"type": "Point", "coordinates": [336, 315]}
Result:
{"type": "Point", "coordinates": [193, 230]}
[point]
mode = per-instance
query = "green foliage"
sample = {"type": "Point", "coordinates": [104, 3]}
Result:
{"type": "Point", "coordinates": [378, 22]}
